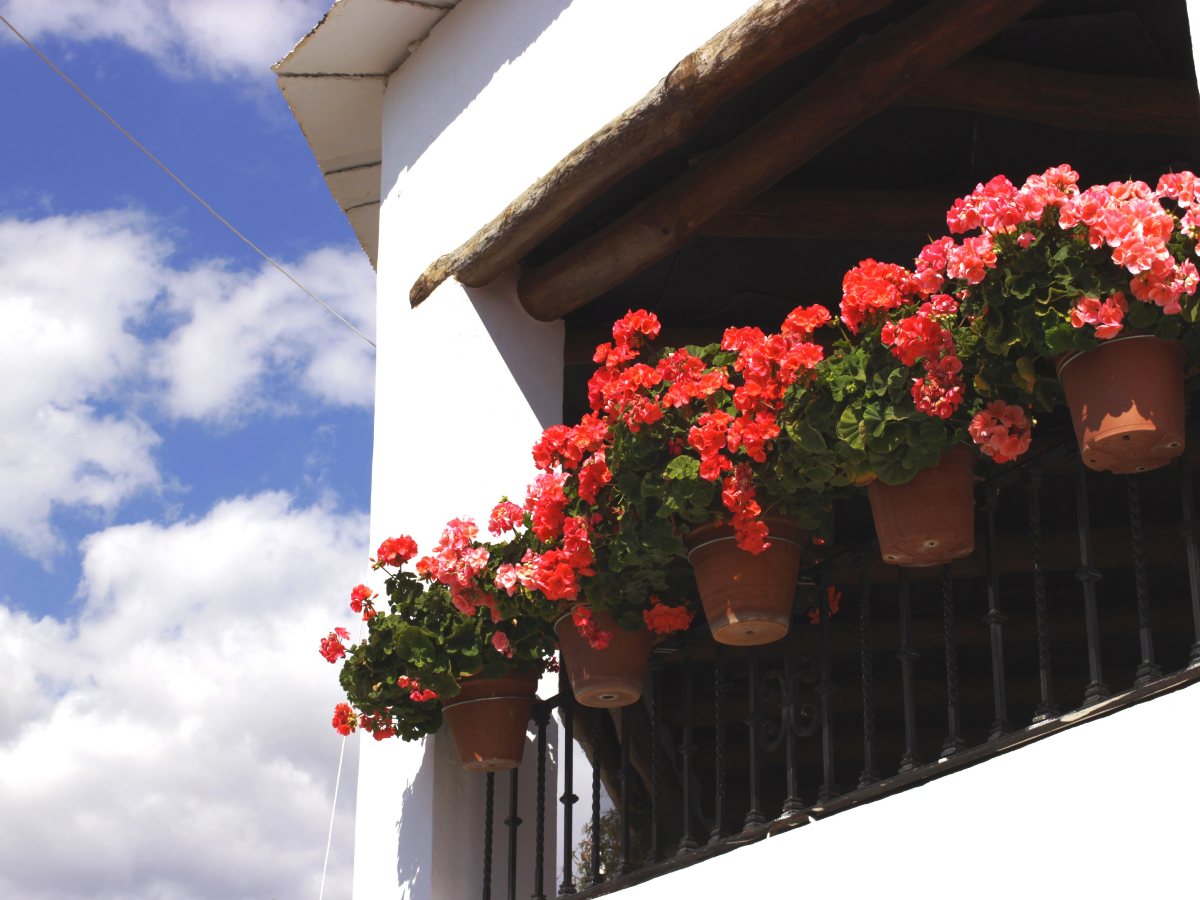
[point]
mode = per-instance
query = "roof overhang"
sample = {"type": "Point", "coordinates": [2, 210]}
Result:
{"type": "Point", "coordinates": [334, 80]}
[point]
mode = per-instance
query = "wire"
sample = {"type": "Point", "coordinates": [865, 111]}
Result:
{"type": "Point", "coordinates": [332, 813]}
{"type": "Point", "coordinates": [179, 181]}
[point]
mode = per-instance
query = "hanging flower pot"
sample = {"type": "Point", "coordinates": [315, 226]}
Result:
{"type": "Point", "coordinates": [604, 677]}
{"type": "Point", "coordinates": [488, 720]}
{"type": "Point", "coordinates": [929, 520]}
{"type": "Point", "coordinates": [747, 597]}
{"type": "Point", "coordinates": [1126, 402]}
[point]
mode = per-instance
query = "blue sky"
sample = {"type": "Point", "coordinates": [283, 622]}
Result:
{"type": "Point", "coordinates": [185, 444]}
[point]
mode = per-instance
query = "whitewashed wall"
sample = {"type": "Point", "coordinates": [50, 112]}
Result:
{"type": "Point", "coordinates": [1102, 811]}
{"type": "Point", "coordinates": [497, 94]}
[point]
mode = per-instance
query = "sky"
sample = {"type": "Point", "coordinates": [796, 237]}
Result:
{"type": "Point", "coordinates": [185, 446]}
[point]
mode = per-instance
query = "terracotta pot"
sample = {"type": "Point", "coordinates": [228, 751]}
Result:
{"type": "Point", "coordinates": [930, 520]}
{"type": "Point", "coordinates": [1126, 402]}
{"type": "Point", "coordinates": [747, 598]}
{"type": "Point", "coordinates": [604, 678]}
{"type": "Point", "coordinates": [488, 720]}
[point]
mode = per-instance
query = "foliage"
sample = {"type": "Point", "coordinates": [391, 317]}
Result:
{"type": "Point", "coordinates": [452, 619]}
{"type": "Point", "coordinates": [1067, 269]}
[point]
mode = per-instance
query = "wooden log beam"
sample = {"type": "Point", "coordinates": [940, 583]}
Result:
{"type": "Point", "coordinates": [868, 77]}
{"type": "Point", "coordinates": [1115, 103]}
{"type": "Point", "coordinates": [848, 214]}
{"type": "Point", "coordinates": [766, 36]}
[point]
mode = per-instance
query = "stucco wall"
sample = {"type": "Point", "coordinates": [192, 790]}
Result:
{"type": "Point", "coordinates": [1102, 811]}
{"type": "Point", "coordinates": [490, 101]}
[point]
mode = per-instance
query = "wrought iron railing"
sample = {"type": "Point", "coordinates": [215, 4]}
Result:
{"type": "Point", "coordinates": [730, 745]}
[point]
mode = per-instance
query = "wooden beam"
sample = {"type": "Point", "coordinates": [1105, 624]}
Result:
{"type": "Point", "coordinates": [849, 214]}
{"type": "Point", "coordinates": [868, 77]}
{"type": "Point", "coordinates": [766, 36]}
{"type": "Point", "coordinates": [1115, 103]}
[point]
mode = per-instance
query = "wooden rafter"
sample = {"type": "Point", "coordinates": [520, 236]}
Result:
{"type": "Point", "coordinates": [1114, 103]}
{"type": "Point", "coordinates": [868, 77]}
{"type": "Point", "coordinates": [849, 214]}
{"type": "Point", "coordinates": [765, 37]}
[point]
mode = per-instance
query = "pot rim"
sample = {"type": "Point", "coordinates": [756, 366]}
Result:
{"type": "Point", "coordinates": [1075, 354]}
{"type": "Point", "coordinates": [447, 704]}
{"type": "Point", "coordinates": [615, 622]}
{"type": "Point", "coordinates": [732, 537]}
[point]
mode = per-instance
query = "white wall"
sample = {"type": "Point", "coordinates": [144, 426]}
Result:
{"type": "Point", "coordinates": [1105, 810]}
{"type": "Point", "coordinates": [495, 96]}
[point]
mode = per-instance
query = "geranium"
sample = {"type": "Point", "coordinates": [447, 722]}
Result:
{"type": "Point", "coordinates": [1106, 317]}
{"type": "Point", "coordinates": [462, 613]}
{"type": "Point", "coordinates": [1001, 430]}
{"type": "Point", "coordinates": [396, 551]}
{"type": "Point", "coordinates": [662, 618]}
{"type": "Point", "coordinates": [506, 516]}
{"type": "Point", "coordinates": [1066, 268]}
{"type": "Point", "coordinates": [585, 623]}
{"type": "Point", "coordinates": [833, 603]}
{"type": "Point", "coordinates": [901, 388]}
{"type": "Point", "coordinates": [331, 646]}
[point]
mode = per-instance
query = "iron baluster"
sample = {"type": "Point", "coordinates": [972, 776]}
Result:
{"type": "Point", "coordinates": [1088, 575]}
{"type": "Point", "coordinates": [626, 864]}
{"type": "Point", "coordinates": [754, 815]}
{"type": "Point", "coordinates": [595, 861]}
{"type": "Point", "coordinates": [995, 620]}
{"type": "Point", "coordinates": [489, 806]}
{"type": "Point", "coordinates": [792, 803]}
{"type": "Point", "coordinates": [1148, 670]}
{"type": "Point", "coordinates": [1046, 708]}
{"type": "Point", "coordinates": [828, 788]}
{"type": "Point", "coordinates": [541, 716]}
{"type": "Point", "coordinates": [954, 742]}
{"type": "Point", "coordinates": [718, 830]}
{"type": "Point", "coordinates": [1190, 533]}
{"type": "Point", "coordinates": [568, 798]}
{"type": "Point", "coordinates": [513, 822]}
{"type": "Point", "coordinates": [687, 843]}
{"type": "Point", "coordinates": [907, 656]}
{"type": "Point", "coordinates": [870, 773]}
{"type": "Point", "coordinates": [652, 700]}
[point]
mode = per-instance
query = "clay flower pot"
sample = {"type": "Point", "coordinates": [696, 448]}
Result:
{"type": "Point", "coordinates": [488, 720]}
{"type": "Point", "coordinates": [930, 520]}
{"type": "Point", "coordinates": [1126, 402]}
{"type": "Point", "coordinates": [604, 678]}
{"type": "Point", "coordinates": [747, 598]}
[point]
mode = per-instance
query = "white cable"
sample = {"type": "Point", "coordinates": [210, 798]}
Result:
{"type": "Point", "coordinates": [333, 812]}
{"type": "Point", "coordinates": [179, 181]}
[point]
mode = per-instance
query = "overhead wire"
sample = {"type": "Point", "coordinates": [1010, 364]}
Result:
{"type": "Point", "coordinates": [179, 181]}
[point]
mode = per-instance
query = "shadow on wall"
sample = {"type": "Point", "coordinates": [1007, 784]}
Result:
{"type": "Point", "coordinates": [441, 85]}
{"type": "Point", "coordinates": [412, 833]}
{"type": "Point", "coordinates": [532, 350]}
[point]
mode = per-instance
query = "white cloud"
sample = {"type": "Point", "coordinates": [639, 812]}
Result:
{"type": "Point", "coordinates": [211, 38]}
{"type": "Point", "coordinates": [69, 287]}
{"type": "Point", "coordinates": [272, 338]}
{"type": "Point", "coordinates": [100, 330]}
{"type": "Point", "coordinates": [174, 740]}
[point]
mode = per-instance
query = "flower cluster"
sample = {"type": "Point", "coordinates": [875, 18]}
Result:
{"type": "Point", "coordinates": [662, 618]}
{"type": "Point", "coordinates": [689, 390]}
{"type": "Point", "coordinates": [1088, 250]}
{"type": "Point", "coordinates": [446, 621]}
{"type": "Point", "coordinates": [1001, 431]}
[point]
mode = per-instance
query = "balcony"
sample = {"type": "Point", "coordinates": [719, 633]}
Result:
{"type": "Point", "coordinates": [1082, 599]}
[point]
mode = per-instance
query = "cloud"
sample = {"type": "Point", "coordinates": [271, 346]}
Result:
{"type": "Point", "coordinates": [69, 287]}
{"type": "Point", "coordinates": [273, 338]}
{"type": "Point", "coordinates": [102, 331]}
{"type": "Point", "coordinates": [173, 741]}
{"type": "Point", "coordinates": [218, 39]}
